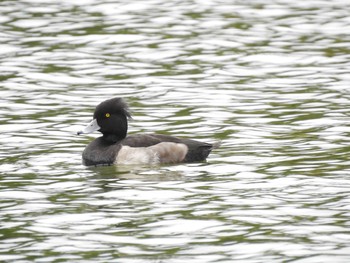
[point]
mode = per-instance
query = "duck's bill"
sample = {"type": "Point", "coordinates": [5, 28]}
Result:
{"type": "Point", "coordinates": [91, 127]}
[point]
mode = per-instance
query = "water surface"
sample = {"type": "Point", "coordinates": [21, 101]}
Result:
{"type": "Point", "coordinates": [268, 79]}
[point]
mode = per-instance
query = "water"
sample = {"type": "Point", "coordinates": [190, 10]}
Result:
{"type": "Point", "coordinates": [269, 79]}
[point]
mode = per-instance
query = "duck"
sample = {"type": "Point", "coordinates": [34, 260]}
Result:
{"type": "Point", "coordinates": [116, 147]}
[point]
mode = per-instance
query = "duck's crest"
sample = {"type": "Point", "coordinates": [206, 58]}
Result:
{"type": "Point", "coordinates": [115, 105]}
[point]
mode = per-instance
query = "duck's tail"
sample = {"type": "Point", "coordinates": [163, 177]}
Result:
{"type": "Point", "coordinates": [216, 144]}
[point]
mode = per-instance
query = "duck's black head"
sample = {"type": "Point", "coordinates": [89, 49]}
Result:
{"type": "Point", "coordinates": [111, 119]}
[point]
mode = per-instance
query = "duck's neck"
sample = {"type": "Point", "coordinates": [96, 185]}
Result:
{"type": "Point", "coordinates": [116, 130]}
{"type": "Point", "coordinates": [112, 138]}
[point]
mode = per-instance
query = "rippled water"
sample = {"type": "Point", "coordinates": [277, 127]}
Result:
{"type": "Point", "coordinates": [268, 78]}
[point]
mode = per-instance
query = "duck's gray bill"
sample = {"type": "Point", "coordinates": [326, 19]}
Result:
{"type": "Point", "coordinates": [91, 127]}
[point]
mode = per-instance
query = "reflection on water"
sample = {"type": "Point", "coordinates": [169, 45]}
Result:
{"type": "Point", "coordinates": [268, 79]}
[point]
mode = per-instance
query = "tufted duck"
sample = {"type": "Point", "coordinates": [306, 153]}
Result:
{"type": "Point", "coordinates": [115, 147]}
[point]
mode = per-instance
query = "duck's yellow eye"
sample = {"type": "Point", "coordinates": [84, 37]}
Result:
{"type": "Point", "coordinates": [107, 115]}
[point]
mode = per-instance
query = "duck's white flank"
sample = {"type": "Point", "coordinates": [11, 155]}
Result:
{"type": "Point", "coordinates": [164, 152]}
